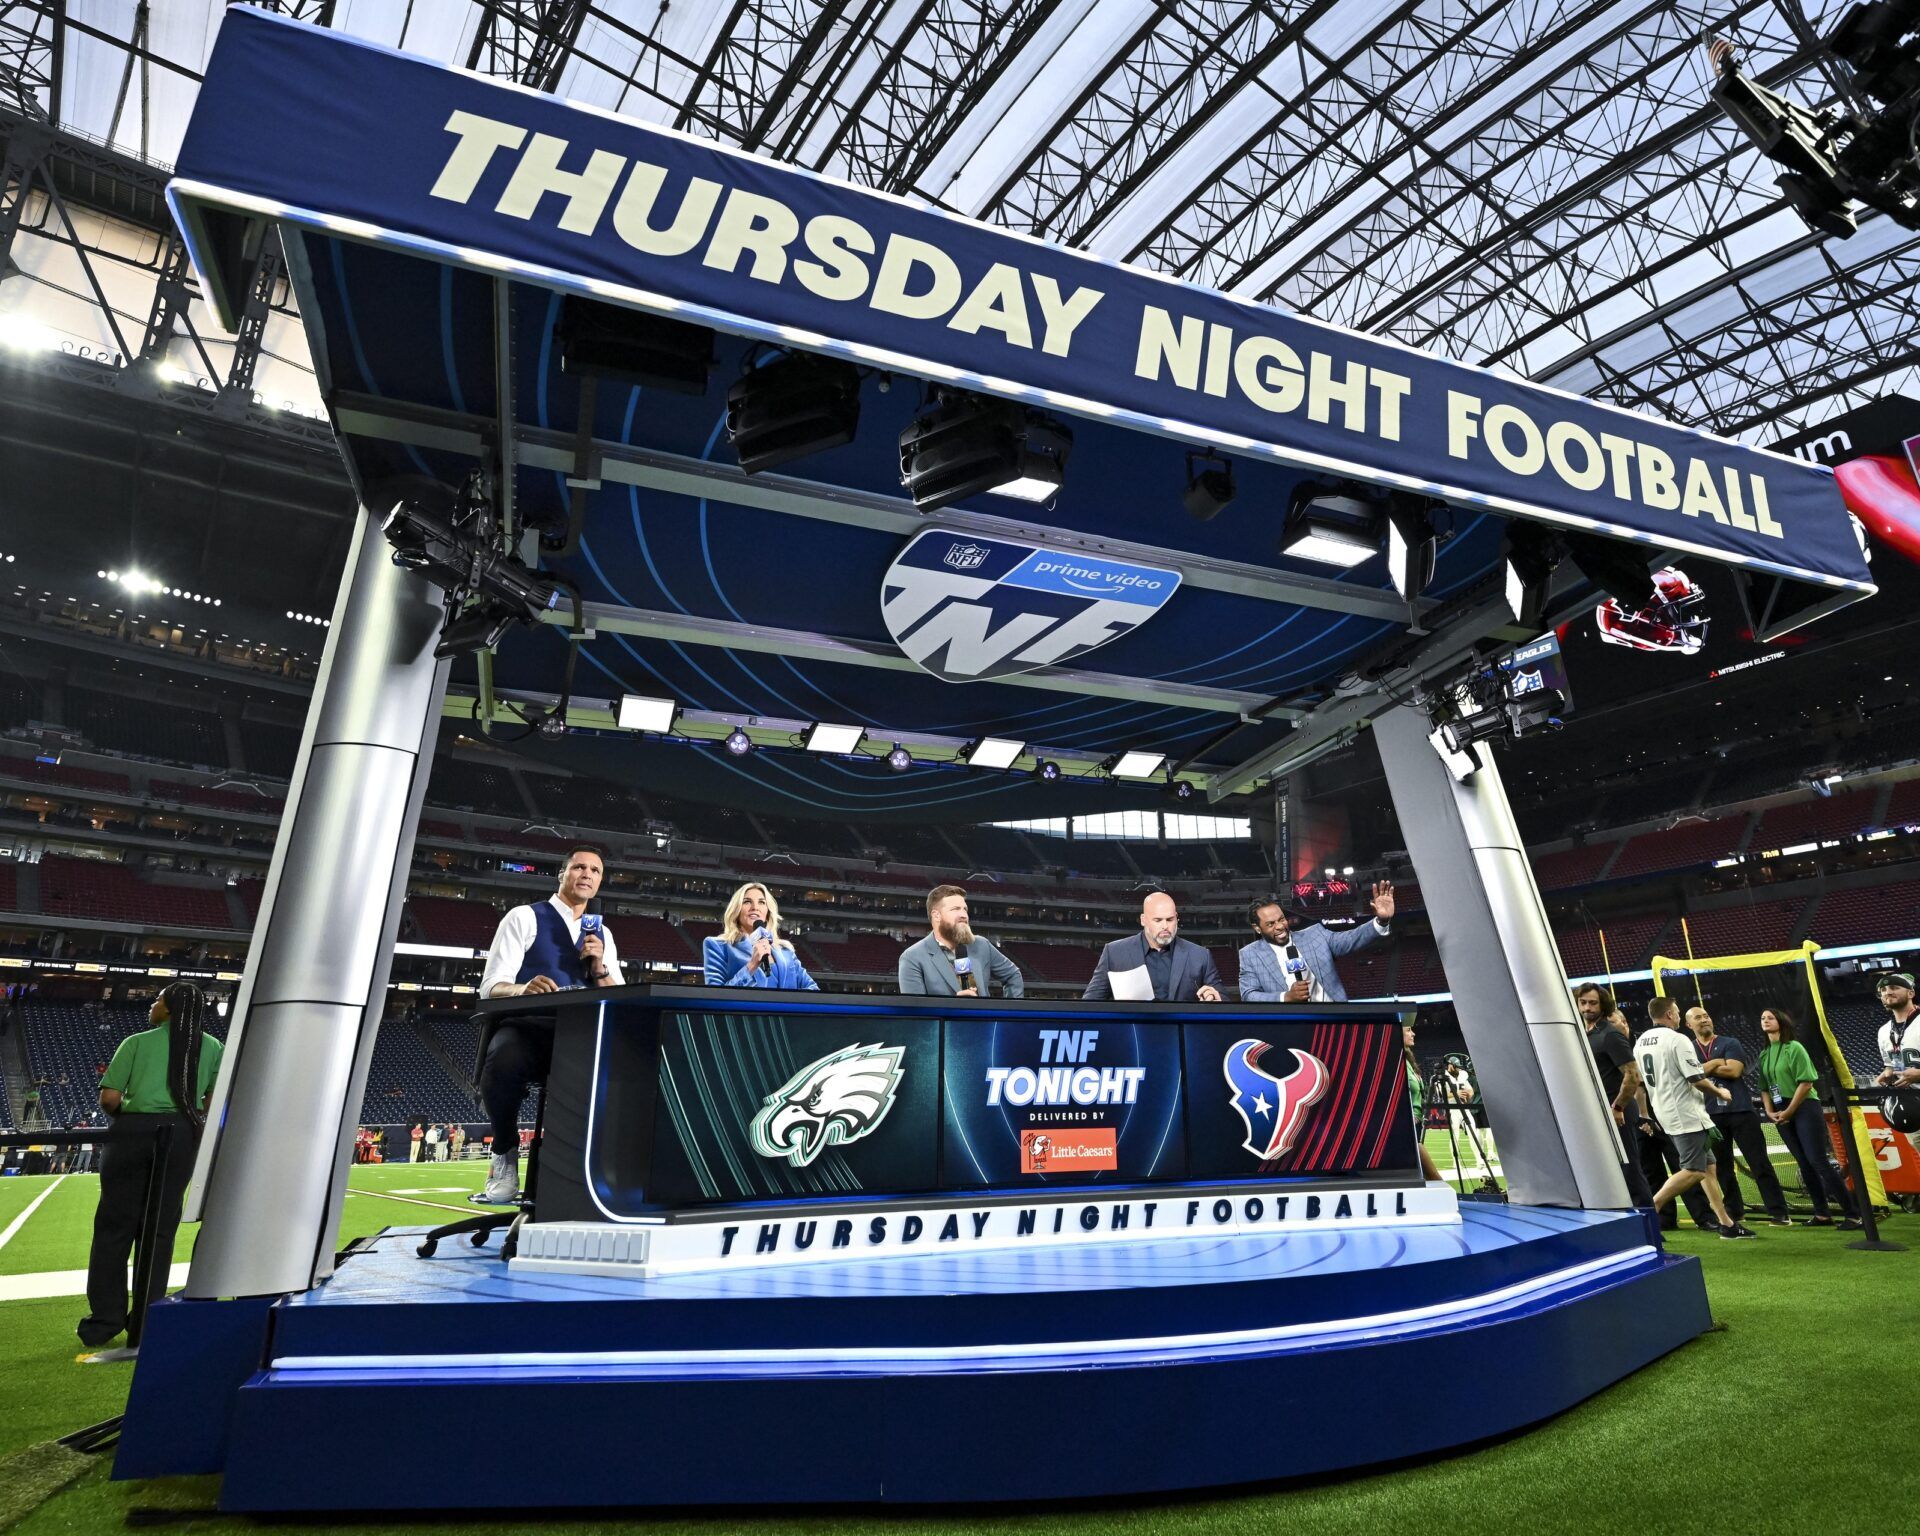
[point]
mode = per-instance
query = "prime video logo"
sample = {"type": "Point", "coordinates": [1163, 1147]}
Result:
{"type": "Point", "coordinates": [1083, 579]}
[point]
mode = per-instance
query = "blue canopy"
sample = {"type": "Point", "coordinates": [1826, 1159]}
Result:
{"type": "Point", "coordinates": [433, 222]}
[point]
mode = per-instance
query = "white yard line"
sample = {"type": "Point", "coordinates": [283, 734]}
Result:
{"type": "Point", "coordinates": [21, 1220]}
{"type": "Point", "coordinates": [432, 1205]}
{"type": "Point", "coordinates": [63, 1282]}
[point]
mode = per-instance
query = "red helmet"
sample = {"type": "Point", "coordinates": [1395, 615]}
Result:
{"type": "Point", "coordinates": [1669, 622]}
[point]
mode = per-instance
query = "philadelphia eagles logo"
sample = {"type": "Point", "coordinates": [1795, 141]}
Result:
{"type": "Point", "coordinates": [832, 1101]}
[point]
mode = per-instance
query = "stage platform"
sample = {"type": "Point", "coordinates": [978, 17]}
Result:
{"type": "Point", "coordinates": [997, 1376]}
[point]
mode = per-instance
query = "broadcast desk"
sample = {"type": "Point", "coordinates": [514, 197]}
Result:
{"type": "Point", "coordinates": [794, 1247]}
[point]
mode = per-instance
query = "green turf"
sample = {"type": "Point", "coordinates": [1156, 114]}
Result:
{"type": "Point", "coordinates": [1763, 1424]}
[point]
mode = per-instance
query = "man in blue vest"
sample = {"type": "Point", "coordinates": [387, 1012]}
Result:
{"type": "Point", "coordinates": [537, 948]}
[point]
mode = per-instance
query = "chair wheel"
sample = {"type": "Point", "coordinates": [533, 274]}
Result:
{"type": "Point", "coordinates": [425, 1250]}
{"type": "Point", "coordinates": [479, 1239]}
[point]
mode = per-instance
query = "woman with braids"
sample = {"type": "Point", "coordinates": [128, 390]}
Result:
{"type": "Point", "coordinates": [160, 1076]}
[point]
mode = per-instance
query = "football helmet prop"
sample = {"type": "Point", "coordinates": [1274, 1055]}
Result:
{"type": "Point", "coordinates": [1674, 620]}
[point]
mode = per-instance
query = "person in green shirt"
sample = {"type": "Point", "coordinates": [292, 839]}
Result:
{"type": "Point", "coordinates": [162, 1076]}
{"type": "Point", "coordinates": [1793, 1105]}
{"type": "Point", "coordinates": [1417, 1095]}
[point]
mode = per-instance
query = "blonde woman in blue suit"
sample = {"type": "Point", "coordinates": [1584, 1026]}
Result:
{"type": "Point", "coordinates": [748, 951]}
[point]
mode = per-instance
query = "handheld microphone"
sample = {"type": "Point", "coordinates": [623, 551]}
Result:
{"type": "Point", "coordinates": [766, 964]}
{"type": "Point", "coordinates": [592, 926]}
{"type": "Point", "coordinates": [963, 972]}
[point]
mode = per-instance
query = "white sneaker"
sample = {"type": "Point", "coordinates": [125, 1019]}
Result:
{"type": "Point", "coordinates": [503, 1182]}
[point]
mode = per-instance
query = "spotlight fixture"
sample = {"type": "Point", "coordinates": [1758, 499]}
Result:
{"type": "Point", "coordinates": [605, 341]}
{"type": "Point", "coordinates": [1134, 765]}
{"type": "Point", "coordinates": [968, 444]}
{"type": "Point", "coordinates": [641, 713]}
{"type": "Point", "coordinates": [1210, 487]}
{"type": "Point", "coordinates": [1532, 554]}
{"type": "Point", "coordinates": [738, 742]}
{"type": "Point", "coordinates": [1619, 570]}
{"type": "Point", "coordinates": [841, 739]}
{"type": "Point", "coordinates": [1330, 525]}
{"type": "Point", "coordinates": [899, 759]}
{"type": "Point", "coordinates": [1411, 545]}
{"type": "Point", "coordinates": [1046, 770]}
{"type": "Point", "coordinates": [1179, 789]}
{"type": "Point", "coordinates": [794, 405]}
{"type": "Point", "coordinates": [992, 752]}
{"type": "Point", "coordinates": [451, 539]}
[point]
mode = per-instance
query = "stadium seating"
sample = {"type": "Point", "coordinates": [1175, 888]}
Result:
{"type": "Point", "coordinates": [1368, 972]}
{"type": "Point", "coordinates": [1567, 867]}
{"type": "Point", "coordinates": [473, 787]}
{"type": "Point", "coordinates": [1417, 969]}
{"type": "Point", "coordinates": [406, 1081]}
{"type": "Point", "coordinates": [442, 831]}
{"type": "Point", "coordinates": [907, 843]}
{"type": "Point", "coordinates": [1681, 847]}
{"type": "Point", "coordinates": [1807, 821]}
{"type": "Point", "coordinates": [859, 954]}
{"type": "Point", "coordinates": [1870, 914]}
{"type": "Point", "coordinates": [165, 790]}
{"type": "Point", "coordinates": [250, 893]}
{"type": "Point", "coordinates": [149, 728]}
{"type": "Point", "coordinates": [1741, 928]}
{"type": "Point", "coordinates": [447, 920]}
{"type": "Point", "coordinates": [21, 699]}
{"type": "Point", "coordinates": [69, 1046]}
{"type": "Point", "coordinates": [1629, 943]}
{"type": "Point", "coordinates": [65, 776]}
{"type": "Point", "coordinates": [642, 939]}
{"type": "Point", "coordinates": [1903, 804]}
{"type": "Point", "coordinates": [998, 848]}
{"type": "Point", "coordinates": [1056, 965]}
{"type": "Point", "coordinates": [114, 893]}
{"type": "Point", "coordinates": [837, 839]}
{"type": "Point", "coordinates": [9, 888]}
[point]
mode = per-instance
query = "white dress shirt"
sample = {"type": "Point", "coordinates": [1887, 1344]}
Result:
{"type": "Point", "coordinates": [1315, 992]}
{"type": "Point", "coordinates": [515, 936]}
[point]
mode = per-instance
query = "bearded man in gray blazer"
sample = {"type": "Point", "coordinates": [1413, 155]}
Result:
{"type": "Point", "coordinates": [953, 960]}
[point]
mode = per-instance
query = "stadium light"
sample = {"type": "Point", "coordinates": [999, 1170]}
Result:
{"type": "Point", "coordinates": [639, 712]}
{"type": "Point", "coordinates": [1046, 770]}
{"type": "Point", "coordinates": [992, 752]}
{"type": "Point", "coordinates": [1135, 764]}
{"type": "Point", "coordinates": [738, 742]}
{"type": "Point", "coordinates": [967, 444]}
{"type": "Point", "coordinates": [1411, 546]}
{"type": "Point", "coordinates": [792, 406]}
{"type": "Point", "coordinates": [842, 739]}
{"type": "Point", "coordinates": [1210, 486]}
{"type": "Point", "coordinates": [899, 759]}
{"type": "Point", "coordinates": [1330, 525]}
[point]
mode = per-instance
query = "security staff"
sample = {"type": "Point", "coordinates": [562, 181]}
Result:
{"type": "Point", "coordinates": [537, 949]}
{"type": "Point", "coordinates": [161, 1076]}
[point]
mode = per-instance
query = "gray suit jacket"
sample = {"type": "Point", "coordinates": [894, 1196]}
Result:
{"type": "Point", "coordinates": [926, 968]}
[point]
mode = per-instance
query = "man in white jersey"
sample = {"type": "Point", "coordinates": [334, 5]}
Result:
{"type": "Point", "coordinates": [1900, 1037]}
{"type": "Point", "coordinates": [1676, 1084]}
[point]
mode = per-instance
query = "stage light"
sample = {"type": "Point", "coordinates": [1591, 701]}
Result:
{"type": "Point", "coordinates": [1458, 735]}
{"type": "Point", "coordinates": [1046, 770]}
{"type": "Point", "coordinates": [1411, 546]}
{"type": "Point", "coordinates": [638, 712]}
{"type": "Point", "coordinates": [899, 759]}
{"type": "Point", "coordinates": [992, 752]}
{"type": "Point", "coordinates": [790, 407]}
{"type": "Point", "coordinates": [1210, 486]}
{"type": "Point", "coordinates": [1134, 765]}
{"type": "Point", "coordinates": [842, 739]}
{"type": "Point", "coordinates": [966, 445]}
{"type": "Point", "coordinates": [449, 538]}
{"type": "Point", "coordinates": [1330, 525]}
{"type": "Point", "coordinates": [605, 341]}
{"type": "Point", "coordinates": [1532, 553]}
{"type": "Point", "coordinates": [738, 742]}
{"type": "Point", "coordinates": [1619, 570]}
{"type": "Point", "coordinates": [1180, 789]}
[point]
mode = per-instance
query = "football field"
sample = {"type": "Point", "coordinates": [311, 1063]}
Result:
{"type": "Point", "coordinates": [1797, 1356]}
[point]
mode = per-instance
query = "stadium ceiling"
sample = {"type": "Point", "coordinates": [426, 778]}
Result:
{"type": "Point", "coordinates": [1538, 185]}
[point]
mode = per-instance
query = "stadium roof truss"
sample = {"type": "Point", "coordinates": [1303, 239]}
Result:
{"type": "Point", "coordinates": [1540, 188]}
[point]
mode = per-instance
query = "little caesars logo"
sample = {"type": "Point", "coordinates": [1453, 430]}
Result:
{"type": "Point", "coordinates": [968, 609]}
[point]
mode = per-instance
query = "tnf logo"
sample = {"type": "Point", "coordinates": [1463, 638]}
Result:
{"type": "Point", "coordinates": [971, 609]}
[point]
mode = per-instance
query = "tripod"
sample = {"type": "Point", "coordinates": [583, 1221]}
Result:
{"type": "Point", "coordinates": [1459, 1113]}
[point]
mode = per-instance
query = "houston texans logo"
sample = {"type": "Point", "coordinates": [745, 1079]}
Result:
{"type": "Point", "coordinates": [1273, 1108]}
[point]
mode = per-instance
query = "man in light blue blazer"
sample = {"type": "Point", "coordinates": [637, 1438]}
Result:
{"type": "Point", "coordinates": [1295, 965]}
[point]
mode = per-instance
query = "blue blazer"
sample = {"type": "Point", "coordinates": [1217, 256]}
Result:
{"type": "Point", "coordinates": [1263, 981]}
{"type": "Point", "coordinates": [726, 966]}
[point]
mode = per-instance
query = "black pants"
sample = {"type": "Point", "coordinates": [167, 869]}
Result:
{"type": "Point", "coordinates": [1741, 1128]}
{"type": "Point", "coordinates": [1637, 1186]}
{"type": "Point", "coordinates": [1806, 1138]}
{"type": "Point", "coordinates": [515, 1059]}
{"type": "Point", "coordinates": [124, 1173]}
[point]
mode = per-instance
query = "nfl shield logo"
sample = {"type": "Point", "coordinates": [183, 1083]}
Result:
{"type": "Point", "coordinates": [971, 609]}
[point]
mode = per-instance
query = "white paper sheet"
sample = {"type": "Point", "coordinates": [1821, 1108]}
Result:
{"type": "Point", "coordinates": [1134, 986]}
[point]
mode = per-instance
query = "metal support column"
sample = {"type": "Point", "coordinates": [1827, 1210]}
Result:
{"type": "Point", "coordinates": [295, 1068]}
{"type": "Point", "coordinates": [1558, 1145]}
